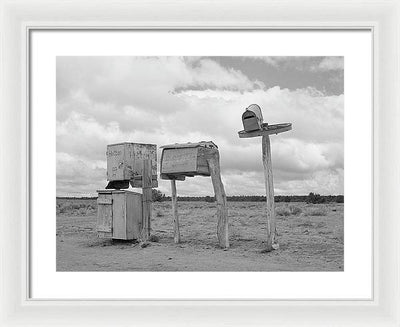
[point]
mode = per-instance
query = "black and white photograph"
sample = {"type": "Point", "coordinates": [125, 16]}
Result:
{"type": "Point", "coordinates": [200, 163]}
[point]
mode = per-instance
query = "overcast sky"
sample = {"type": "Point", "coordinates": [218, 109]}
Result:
{"type": "Point", "coordinates": [163, 100]}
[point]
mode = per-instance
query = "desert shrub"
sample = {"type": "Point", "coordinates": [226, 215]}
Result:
{"type": "Point", "coordinates": [317, 211]}
{"type": "Point", "coordinates": [295, 210]}
{"type": "Point", "coordinates": [282, 211]}
{"type": "Point", "coordinates": [315, 198]}
{"type": "Point", "coordinates": [82, 211]}
{"type": "Point", "coordinates": [339, 199]}
{"type": "Point", "coordinates": [306, 224]}
{"type": "Point", "coordinates": [159, 214]}
{"type": "Point", "coordinates": [157, 196]}
{"type": "Point", "coordinates": [209, 199]}
{"type": "Point", "coordinates": [154, 238]}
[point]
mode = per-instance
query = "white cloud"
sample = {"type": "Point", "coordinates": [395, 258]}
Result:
{"type": "Point", "coordinates": [166, 100]}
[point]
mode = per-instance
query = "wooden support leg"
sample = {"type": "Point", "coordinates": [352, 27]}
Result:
{"type": "Point", "coordinates": [222, 210]}
{"type": "Point", "coordinates": [147, 199]}
{"type": "Point", "coordinates": [269, 187]}
{"type": "Point", "coordinates": [177, 236]}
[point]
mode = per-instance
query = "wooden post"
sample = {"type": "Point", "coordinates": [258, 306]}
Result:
{"type": "Point", "coordinates": [177, 236]}
{"type": "Point", "coordinates": [269, 188]}
{"type": "Point", "coordinates": [147, 199]}
{"type": "Point", "coordinates": [222, 210]}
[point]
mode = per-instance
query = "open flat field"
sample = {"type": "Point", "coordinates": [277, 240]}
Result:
{"type": "Point", "coordinates": [310, 238]}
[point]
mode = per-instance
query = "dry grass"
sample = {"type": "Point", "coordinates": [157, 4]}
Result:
{"type": "Point", "coordinates": [310, 238]}
{"type": "Point", "coordinates": [285, 210]}
{"type": "Point", "coordinates": [76, 207]}
{"type": "Point", "coordinates": [321, 210]}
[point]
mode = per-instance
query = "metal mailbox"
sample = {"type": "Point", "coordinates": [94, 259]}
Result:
{"type": "Point", "coordinates": [119, 214]}
{"type": "Point", "coordinates": [188, 159]}
{"type": "Point", "coordinates": [252, 118]}
{"type": "Point", "coordinates": [125, 164]}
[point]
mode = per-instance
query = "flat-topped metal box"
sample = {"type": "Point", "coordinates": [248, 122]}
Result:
{"type": "Point", "coordinates": [252, 118]}
{"type": "Point", "coordinates": [188, 159]}
{"type": "Point", "coordinates": [125, 163]}
{"type": "Point", "coordinates": [119, 214]}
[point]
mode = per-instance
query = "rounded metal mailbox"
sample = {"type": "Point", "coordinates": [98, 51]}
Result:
{"type": "Point", "coordinates": [252, 118]}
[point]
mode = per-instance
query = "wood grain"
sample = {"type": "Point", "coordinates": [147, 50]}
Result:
{"type": "Point", "coordinates": [179, 160]}
{"type": "Point", "coordinates": [222, 210]}
{"type": "Point", "coordinates": [104, 212]}
{"type": "Point", "coordinates": [125, 160]}
{"type": "Point", "coordinates": [119, 216]}
{"type": "Point", "coordinates": [269, 188]}
{"type": "Point", "coordinates": [147, 199]}
{"type": "Point", "coordinates": [268, 130]}
{"type": "Point", "coordinates": [174, 199]}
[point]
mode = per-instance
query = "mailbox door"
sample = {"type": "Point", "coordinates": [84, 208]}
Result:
{"type": "Point", "coordinates": [119, 216]}
{"type": "Point", "coordinates": [104, 213]}
{"type": "Point", "coordinates": [182, 160]}
{"type": "Point", "coordinates": [116, 162]}
{"type": "Point", "coordinates": [251, 124]}
{"type": "Point", "coordinates": [133, 215]}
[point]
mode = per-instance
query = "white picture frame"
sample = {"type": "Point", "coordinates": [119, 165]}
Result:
{"type": "Point", "coordinates": [19, 18]}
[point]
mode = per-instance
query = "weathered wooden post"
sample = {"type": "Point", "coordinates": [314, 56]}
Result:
{"type": "Point", "coordinates": [179, 161]}
{"type": "Point", "coordinates": [147, 199]}
{"type": "Point", "coordinates": [220, 196]}
{"type": "Point", "coordinates": [174, 199]}
{"type": "Point", "coordinates": [253, 127]}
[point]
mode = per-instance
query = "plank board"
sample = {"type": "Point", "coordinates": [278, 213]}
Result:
{"type": "Point", "coordinates": [119, 216]}
{"type": "Point", "coordinates": [267, 130]}
{"type": "Point", "coordinates": [179, 160]}
{"type": "Point", "coordinates": [104, 213]}
{"type": "Point", "coordinates": [133, 215]}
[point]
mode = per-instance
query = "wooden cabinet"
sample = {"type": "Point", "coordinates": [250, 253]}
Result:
{"type": "Point", "coordinates": [119, 214]}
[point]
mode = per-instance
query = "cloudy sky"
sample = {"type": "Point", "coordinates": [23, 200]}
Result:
{"type": "Point", "coordinates": [163, 100]}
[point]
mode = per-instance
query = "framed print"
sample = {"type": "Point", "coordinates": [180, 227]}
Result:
{"type": "Point", "coordinates": [240, 169]}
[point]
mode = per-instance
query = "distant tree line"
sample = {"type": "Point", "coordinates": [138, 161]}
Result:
{"type": "Point", "coordinates": [310, 198]}
{"type": "Point", "coordinates": [315, 198]}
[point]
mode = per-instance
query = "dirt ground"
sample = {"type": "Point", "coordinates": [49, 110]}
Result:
{"type": "Point", "coordinates": [310, 238]}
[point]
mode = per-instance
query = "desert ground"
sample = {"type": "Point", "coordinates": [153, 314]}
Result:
{"type": "Point", "coordinates": [310, 238]}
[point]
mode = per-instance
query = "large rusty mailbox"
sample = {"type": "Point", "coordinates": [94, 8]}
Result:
{"type": "Point", "coordinates": [252, 118]}
{"type": "Point", "coordinates": [125, 164]}
{"type": "Point", "coordinates": [119, 214]}
{"type": "Point", "coordinates": [188, 159]}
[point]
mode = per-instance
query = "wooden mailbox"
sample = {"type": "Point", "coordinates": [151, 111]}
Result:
{"type": "Point", "coordinates": [196, 159]}
{"type": "Point", "coordinates": [188, 159]}
{"type": "Point", "coordinates": [119, 214]}
{"type": "Point", "coordinates": [252, 118]}
{"type": "Point", "coordinates": [125, 164]}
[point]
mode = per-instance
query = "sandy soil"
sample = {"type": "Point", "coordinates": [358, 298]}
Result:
{"type": "Point", "coordinates": [310, 238]}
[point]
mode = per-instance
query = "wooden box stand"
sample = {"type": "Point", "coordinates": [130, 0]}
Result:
{"type": "Point", "coordinates": [179, 161]}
